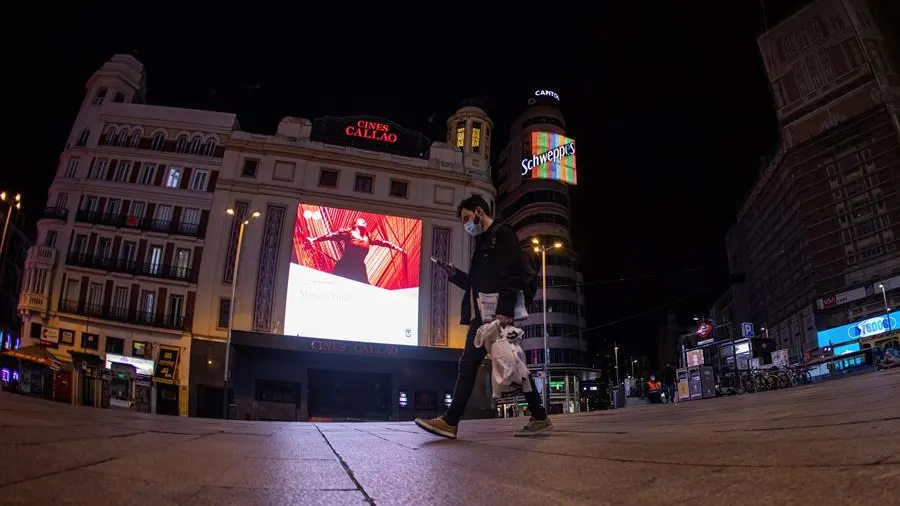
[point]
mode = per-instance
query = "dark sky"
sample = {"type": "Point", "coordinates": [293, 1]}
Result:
{"type": "Point", "coordinates": [669, 105]}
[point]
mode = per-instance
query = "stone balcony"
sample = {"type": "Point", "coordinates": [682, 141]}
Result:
{"type": "Point", "coordinates": [36, 302]}
{"type": "Point", "coordinates": [40, 256]}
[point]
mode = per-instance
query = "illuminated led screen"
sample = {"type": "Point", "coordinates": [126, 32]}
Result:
{"type": "Point", "coordinates": [354, 276]}
{"type": "Point", "coordinates": [550, 156]}
{"type": "Point", "coordinates": [862, 329]}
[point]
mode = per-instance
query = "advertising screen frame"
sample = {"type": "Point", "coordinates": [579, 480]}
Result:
{"type": "Point", "coordinates": [349, 268]}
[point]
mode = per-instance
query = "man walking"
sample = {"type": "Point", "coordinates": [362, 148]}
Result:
{"type": "Point", "coordinates": [496, 267]}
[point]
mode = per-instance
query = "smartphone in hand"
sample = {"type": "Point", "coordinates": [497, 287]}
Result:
{"type": "Point", "coordinates": [440, 263]}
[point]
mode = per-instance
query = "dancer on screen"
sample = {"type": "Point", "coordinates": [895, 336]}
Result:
{"type": "Point", "coordinates": [357, 241]}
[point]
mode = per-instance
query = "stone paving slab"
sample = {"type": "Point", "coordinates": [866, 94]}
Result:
{"type": "Point", "coordinates": [833, 443]}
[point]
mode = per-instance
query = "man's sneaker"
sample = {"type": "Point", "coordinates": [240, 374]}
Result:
{"type": "Point", "coordinates": [534, 427]}
{"type": "Point", "coordinates": [438, 427]}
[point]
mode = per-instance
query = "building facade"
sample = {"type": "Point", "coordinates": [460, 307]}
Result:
{"type": "Point", "coordinates": [533, 176]}
{"type": "Point", "coordinates": [824, 215]}
{"type": "Point", "coordinates": [111, 286]}
{"type": "Point", "coordinates": [14, 247]}
{"type": "Point", "coordinates": [363, 353]}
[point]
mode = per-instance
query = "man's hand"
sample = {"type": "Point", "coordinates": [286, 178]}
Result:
{"type": "Point", "coordinates": [504, 320]}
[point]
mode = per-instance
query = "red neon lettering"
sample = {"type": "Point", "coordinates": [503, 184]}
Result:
{"type": "Point", "coordinates": [371, 130]}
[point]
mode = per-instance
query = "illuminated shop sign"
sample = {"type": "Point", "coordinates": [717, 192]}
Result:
{"type": "Point", "coordinates": [375, 131]}
{"type": "Point", "coordinates": [550, 156]}
{"type": "Point", "coordinates": [869, 327]}
{"type": "Point", "coordinates": [371, 134]}
{"type": "Point", "coordinates": [546, 93]}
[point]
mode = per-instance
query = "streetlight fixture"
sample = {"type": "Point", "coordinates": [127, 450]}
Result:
{"type": "Point", "coordinates": [234, 278]}
{"type": "Point", "coordinates": [633, 361]}
{"type": "Point", "coordinates": [15, 202]}
{"type": "Point", "coordinates": [887, 310]}
{"type": "Point", "coordinates": [542, 250]}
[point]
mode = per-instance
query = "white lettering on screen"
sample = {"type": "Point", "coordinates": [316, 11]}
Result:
{"type": "Point", "coordinates": [546, 93]}
{"type": "Point", "coordinates": [548, 156]}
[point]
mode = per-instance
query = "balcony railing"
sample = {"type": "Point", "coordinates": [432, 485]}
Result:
{"type": "Point", "coordinates": [123, 220]}
{"type": "Point", "coordinates": [125, 315]}
{"type": "Point", "coordinates": [149, 269]}
{"type": "Point", "coordinates": [56, 213]}
{"type": "Point", "coordinates": [40, 255]}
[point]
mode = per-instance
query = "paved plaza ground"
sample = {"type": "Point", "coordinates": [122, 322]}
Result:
{"type": "Point", "coordinates": [827, 444]}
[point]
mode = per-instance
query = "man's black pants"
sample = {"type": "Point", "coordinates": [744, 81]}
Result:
{"type": "Point", "coordinates": [469, 363]}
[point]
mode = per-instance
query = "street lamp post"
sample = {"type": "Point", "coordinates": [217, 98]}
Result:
{"type": "Point", "coordinates": [542, 249]}
{"type": "Point", "coordinates": [633, 361]}
{"type": "Point", "coordinates": [887, 310]}
{"type": "Point", "coordinates": [616, 353]}
{"type": "Point", "coordinates": [15, 202]}
{"type": "Point", "coordinates": [234, 279]}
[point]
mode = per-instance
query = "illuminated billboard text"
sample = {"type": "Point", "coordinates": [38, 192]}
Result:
{"type": "Point", "coordinates": [371, 130]}
{"type": "Point", "coordinates": [546, 93]}
{"type": "Point", "coordinates": [354, 276]}
{"type": "Point", "coordinates": [551, 156]}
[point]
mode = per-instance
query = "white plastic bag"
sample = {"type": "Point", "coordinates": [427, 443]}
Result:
{"type": "Point", "coordinates": [508, 370]}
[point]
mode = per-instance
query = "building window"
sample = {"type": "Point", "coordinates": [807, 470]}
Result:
{"type": "Point", "coordinates": [199, 180]}
{"type": "Point", "coordinates": [99, 96]}
{"type": "Point", "coordinates": [250, 167]}
{"type": "Point", "coordinates": [83, 138]}
{"type": "Point", "coordinates": [159, 140]}
{"type": "Point", "coordinates": [328, 178]}
{"type": "Point", "coordinates": [224, 310]}
{"type": "Point", "coordinates": [209, 147]}
{"type": "Point", "coordinates": [122, 172]}
{"type": "Point", "coordinates": [194, 148]}
{"type": "Point", "coordinates": [145, 176]}
{"type": "Point", "coordinates": [135, 138]}
{"type": "Point", "coordinates": [181, 145]}
{"type": "Point", "coordinates": [173, 178]}
{"type": "Point", "coordinates": [140, 349]}
{"type": "Point", "coordinates": [115, 345]}
{"type": "Point", "coordinates": [363, 183]}
{"type": "Point", "coordinates": [119, 97]}
{"type": "Point", "coordinates": [50, 239]}
{"type": "Point", "coordinates": [460, 134]}
{"type": "Point", "coordinates": [476, 136]}
{"type": "Point", "coordinates": [98, 168]}
{"type": "Point", "coordinates": [72, 166]}
{"type": "Point", "coordinates": [90, 341]}
{"type": "Point", "coordinates": [399, 188]}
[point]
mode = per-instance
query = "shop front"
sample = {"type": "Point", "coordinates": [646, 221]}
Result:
{"type": "Point", "coordinates": [289, 378]}
{"type": "Point", "coordinates": [130, 383]}
{"type": "Point", "coordinates": [90, 383]}
{"type": "Point", "coordinates": [33, 370]}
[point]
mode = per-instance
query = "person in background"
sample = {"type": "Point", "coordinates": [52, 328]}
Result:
{"type": "Point", "coordinates": [670, 380]}
{"type": "Point", "coordinates": [654, 390]}
{"type": "Point", "coordinates": [494, 268]}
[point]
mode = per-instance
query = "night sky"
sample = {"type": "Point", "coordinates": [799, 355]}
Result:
{"type": "Point", "coordinates": [669, 105]}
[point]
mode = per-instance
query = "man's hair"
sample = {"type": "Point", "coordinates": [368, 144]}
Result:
{"type": "Point", "coordinates": [471, 203]}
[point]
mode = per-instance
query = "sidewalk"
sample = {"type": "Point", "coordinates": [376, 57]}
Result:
{"type": "Point", "coordinates": [832, 443]}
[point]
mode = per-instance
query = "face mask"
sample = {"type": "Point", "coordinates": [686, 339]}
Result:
{"type": "Point", "coordinates": [474, 227]}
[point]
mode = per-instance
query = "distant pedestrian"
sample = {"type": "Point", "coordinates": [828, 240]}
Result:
{"type": "Point", "coordinates": [670, 380]}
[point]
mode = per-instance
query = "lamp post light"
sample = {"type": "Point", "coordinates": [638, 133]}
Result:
{"type": "Point", "coordinates": [234, 279]}
{"type": "Point", "coordinates": [542, 249]}
{"type": "Point", "coordinates": [633, 361]}
{"type": "Point", "coordinates": [15, 202]}
{"type": "Point", "coordinates": [887, 310]}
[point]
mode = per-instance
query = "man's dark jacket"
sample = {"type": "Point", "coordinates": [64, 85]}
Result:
{"type": "Point", "coordinates": [495, 268]}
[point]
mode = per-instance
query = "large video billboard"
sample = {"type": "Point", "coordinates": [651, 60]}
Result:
{"type": "Point", "coordinates": [549, 156]}
{"type": "Point", "coordinates": [354, 276]}
{"type": "Point", "coordinates": [847, 335]}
